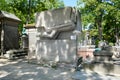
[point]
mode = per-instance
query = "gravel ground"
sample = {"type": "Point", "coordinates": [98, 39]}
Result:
{"type": "Point", "coordinates": [22, 70]}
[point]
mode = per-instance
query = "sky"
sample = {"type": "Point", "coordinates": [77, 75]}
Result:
{"type": "Point", "coordinates": [70, 2]}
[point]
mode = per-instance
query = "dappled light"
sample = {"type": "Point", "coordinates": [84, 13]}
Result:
{"type": "Point", "coordinates": [22, 70]}
{"type": "Point", "coordinates": [44, 40]}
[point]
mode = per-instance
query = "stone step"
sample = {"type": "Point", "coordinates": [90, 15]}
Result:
{"type": "Point", "coordinates": [11, 54]}
{"type": "Point", "coordinates": [112, 68]}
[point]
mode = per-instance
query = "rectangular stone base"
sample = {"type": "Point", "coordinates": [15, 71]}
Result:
{"type": "Point", "coordinates": [55, 50]}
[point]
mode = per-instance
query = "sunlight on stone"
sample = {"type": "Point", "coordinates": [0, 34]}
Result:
{"type": "Point", "coordinates": [45, 71]}
{"type": "Point", "coordinates": [39, 68]}
{"type": "Point", "coordinates": [63, 73]}
{"type": "Point", "coordinates": [1, 65]}
{"type": "Point", "coordinates": [13, 62]}
{"type": "Point", "coordinates": [27, 73]}
{"type": "Point", "coordinates": [3, 74]}
{"type": "Point", "coordinates": [31, 79]}
{"type": "Point", "coordinates": [57, 58]}
{"type": "Point", "coordinates": [19, 67]}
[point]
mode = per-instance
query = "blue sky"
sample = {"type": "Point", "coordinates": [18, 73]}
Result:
{"type": "Point", "coordinates": [70, 2]}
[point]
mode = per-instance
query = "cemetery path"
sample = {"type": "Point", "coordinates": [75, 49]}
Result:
{"type": "Point", "coordinates": [22, 70]}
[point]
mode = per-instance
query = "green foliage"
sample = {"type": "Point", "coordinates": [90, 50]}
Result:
{"type": "Point", "coordinates": [111, 44]}
{"type": "Point", "coordinates": [105, 15]}
{"type": "Point", "coordinates": [26, 9]}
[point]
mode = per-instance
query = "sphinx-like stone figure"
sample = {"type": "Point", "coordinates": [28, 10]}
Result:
{"type": "Point", "coordinates": [52, 22]}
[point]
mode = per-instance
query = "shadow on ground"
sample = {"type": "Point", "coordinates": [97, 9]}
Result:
{"type": "Point", "coordinates": [22, 70]}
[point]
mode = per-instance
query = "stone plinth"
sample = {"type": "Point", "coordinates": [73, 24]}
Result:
{"type": "Point", "coordinates": [103, 68]}
{"type": "Point", "coordinates": [56, 50]}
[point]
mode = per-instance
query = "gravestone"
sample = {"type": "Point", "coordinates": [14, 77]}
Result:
{"type": "Point", "coordinates": [54, 39]}
{"type": "Point", "coordinates": [103, 61]}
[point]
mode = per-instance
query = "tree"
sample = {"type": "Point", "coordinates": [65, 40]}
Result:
{"type": "Point", "coordinates": [104, 14]}
{"type": "Point", "coordinates": [25, 9]}
{"type": "Point", "coordinates": [3, 4]}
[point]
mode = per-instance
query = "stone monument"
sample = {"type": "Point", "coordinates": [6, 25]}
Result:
{"type": "Point", "coordinates": [9, 34]}
{"type": "Point", "coordinates": [103, 60]}
{"type": "Point", "coordinates": [55, 29]}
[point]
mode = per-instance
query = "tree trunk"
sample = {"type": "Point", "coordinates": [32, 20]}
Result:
{"type": "Point", "coordinates": [117, 35]}
{"type": "Point", "coordinates": [98, 22]}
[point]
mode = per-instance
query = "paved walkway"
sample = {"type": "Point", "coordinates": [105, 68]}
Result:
{"type": "Point", "coordinates": [22, 70]}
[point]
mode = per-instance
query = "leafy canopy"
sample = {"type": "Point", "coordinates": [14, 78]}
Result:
{"type": "Point", "coordinates": [25, 9]}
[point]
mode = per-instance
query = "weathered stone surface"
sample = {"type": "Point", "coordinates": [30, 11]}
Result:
{"type": "Point", "coordinates": [56, 50]}
{"type": "Point", "coordinates": [12, 54]}
{"type": "Point", "coordinates": [52, 22]}
{"type": "Point", "coordinates": [103, 53]}
{"type": "Point", "coordinates": [52, 18]}
{"type": "Point", "coordinates": [54, 29]}
{"type": "Point", "coordinates": [32, 39]}
{"type": "Point", "coordinates": [104, 68]}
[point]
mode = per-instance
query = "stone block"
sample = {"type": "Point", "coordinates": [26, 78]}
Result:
{"type": "Point", "coordinates": [56, 50]}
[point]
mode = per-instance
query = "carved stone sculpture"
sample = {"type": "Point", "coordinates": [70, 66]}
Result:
{"type": "Point", "coordinates": [52, 22]}
{"type": "Point", "coordinates": [54, 31]}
